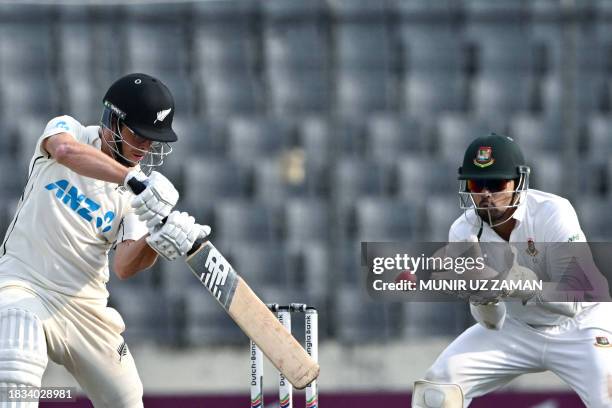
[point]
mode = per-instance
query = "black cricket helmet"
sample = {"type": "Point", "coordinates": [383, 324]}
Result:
{"type": "Point", "coordinates": [145, 106]}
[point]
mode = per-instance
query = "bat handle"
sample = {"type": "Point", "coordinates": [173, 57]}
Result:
{"type": "Point", "coordinates": [196, 245]}
{"type": "Point", "coordinates": [138, 187]}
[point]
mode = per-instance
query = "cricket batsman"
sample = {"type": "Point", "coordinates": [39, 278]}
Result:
{"type": "Point", "coordinates": [77, 205]}
{"type": "Point", "coordinates": [518, 333]}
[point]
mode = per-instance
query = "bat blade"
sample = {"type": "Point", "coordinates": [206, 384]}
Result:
{"type": "Point", "coordinates": [252, 315]}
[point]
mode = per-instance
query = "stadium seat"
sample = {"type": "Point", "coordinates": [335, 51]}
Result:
{"type": "Point", "coordinates": [309, 268]}
{"type": "Point", "coordinates": [149, 279]}
{"type": "Point", "coordinates": [599, 139]}
{"type": "Point", "coordinates": [315, 137]}
{"type": "Point", "coordinates": [500, 33]}
{"type": "Point", "coordinates": [200, 136]}
{"type": "Point", "coordinates": [361, 34]}
{"type": "Point", "coordinates": [361, 91]}
{"type": "Point", "coordinates": [418, 176]}
{"type": "Point", "coordinates": [298, 90]}
{"type": "Point", "coordinates": [593, 177]}
{"type": "Point", "coordinates": [262, 265]}
{"type": "Point", "coordinates": [360, 320]}
{"type": "Point", "coordinates": [456, 132]}
{"type": "Point", "coordinates": [226, 56]}
{"type": "Point", "coordinates": [144, 312]}
{"type": "Point", "coordinates": [156, 46]}
{"type": "Point", "coordinates": [547, 172]}
{"type": "Point", "coordinates": [307, 220]}
{"type": "Point", "coordinates": [427, 94]}
{"type": "Point", "coordinates": [224, 38]}
{"type": "Point", "coordinates": [27, 97]}
{"type": "Point", "coordinates": [389, 135]}
{"type": "Point", "coordinates": [8, 208]}
{"type": "Point", "coordinates": [156, 42]}
{"type": "Point", "coordinates": [593, 220]}
{"type": "Point", "coordinates": [205, 321]}
{"type": "Point", "coordinates": [354, 178]}
{"type": "Point", "coordinates": [28, 131]}
{"type": "Point", "coordinates": [83, 101]}
{"type": "Point", "coordinates": [77, 71]}
{"type": "Point", "coordinates": [348, 135]}
{"type": "Point", "coordinates": [16, 175]}
{"type": "Point", "coordinates": [587, 95]}
{"type": "Point", "coordinates": [294, 34]}
{"type": "Point", "coordinates": [25, 49]}
{"type": "Point", "coordinates": [414, 176]}
{"type": "Point", "coordinates": [229, 92]}
{"type": "Point", "coordinates": [364, 57]}
{"type": "Point", "coordinates": [297, 56]}
{"type": "Point", "coordinates": [502, 94]}
{"type": "Point", "coordinates": [442, 211]}
{"type": "Point", "coordinates": [241, 220]}
{"type": "Point", "coordinates": [589, 50]}
{"type": "Point", "coordinates": [430, 37]}
{"type": "Point", "coordinates": [386, 220]}
{"type": "Point", "coordinates": [253, 138]}
{"type": "Point", "coordinates": [209, 178]}
{"type": "Point", "coordinates": [174, 278]}
{"type": "Point", "coordinates": [288, 176]}
{"type": "Point", "coordinates": [537, 133]}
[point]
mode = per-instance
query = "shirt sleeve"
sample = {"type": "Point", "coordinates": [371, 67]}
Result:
{"type": "Point", "coordinates": [131, 228]}
{"type": "Point", "coordinates": [61, 124]}
{"type": "Point", "coordinates": [561, 224]}
{"type": "Point", "coordinates": [460, 232]}
{"type": "Point", "coordinates": [569, 259]}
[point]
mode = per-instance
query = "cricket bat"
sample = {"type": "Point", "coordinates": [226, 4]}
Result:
{"type": "Point", "coordinates": [252, 315]}
{"type": "Point", "coordinates": [248, 311]}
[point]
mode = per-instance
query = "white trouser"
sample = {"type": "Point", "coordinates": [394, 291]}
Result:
{"type": "Point", "coordinates": [482, 360]}
{"type": "Point", "coordinates": [86, 339]}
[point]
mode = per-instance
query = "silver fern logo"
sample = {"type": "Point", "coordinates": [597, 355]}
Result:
{"type": "Point", "coordinates": [161, 115]}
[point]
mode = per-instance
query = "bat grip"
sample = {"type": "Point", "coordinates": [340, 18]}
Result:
{"type": "Point", "coordinates": [196, 246]}
{"type": "Point", "coordinates": [138, 187]}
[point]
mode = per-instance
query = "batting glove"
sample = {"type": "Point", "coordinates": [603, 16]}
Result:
{"type": "Point", "coordinates": [156, 201]}
{"type": "Point", "coordinates": [177, 235]}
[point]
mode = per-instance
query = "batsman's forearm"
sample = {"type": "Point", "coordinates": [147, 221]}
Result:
{"type": "Point", "coordinates": [132, 257]}
{"type": "Point", "coordinates": [90, 162]}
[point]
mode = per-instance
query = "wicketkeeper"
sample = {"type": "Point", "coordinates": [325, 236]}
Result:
{"type": "Point", "coordinates": [519, 333]}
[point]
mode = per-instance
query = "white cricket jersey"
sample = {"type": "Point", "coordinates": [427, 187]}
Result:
{"type": "Point", "coordinates": [541, 218]}
{"type": "Point", "coordinates": [66, 224]}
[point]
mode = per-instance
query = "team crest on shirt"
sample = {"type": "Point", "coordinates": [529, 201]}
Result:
{"type": "Point", "coordinates": [532, 250]}
{"type": "Point", "coordinates": [484, 157]}
{"type": "Point", "coordinates": [602, 341]}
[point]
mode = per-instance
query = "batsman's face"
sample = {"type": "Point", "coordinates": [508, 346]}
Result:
{"type": "Point", "coordinates": [492, 201]}
{"type": "Point", "coordinates": [135, 147]}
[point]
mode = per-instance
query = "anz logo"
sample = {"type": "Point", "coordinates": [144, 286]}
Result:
{"type": "Point", "coordinates": [84, 206]}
